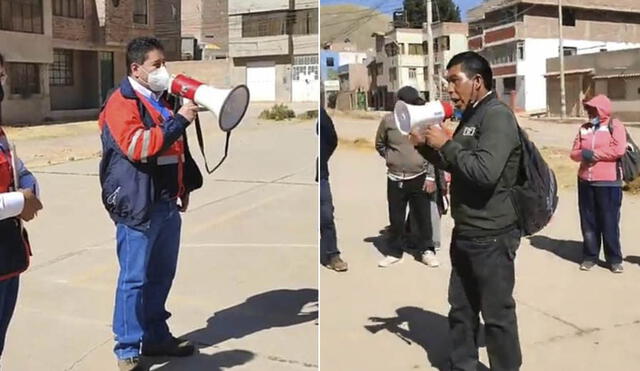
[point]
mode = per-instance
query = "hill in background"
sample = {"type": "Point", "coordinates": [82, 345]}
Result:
{"type": "Point", "coordinates": [357, 23]}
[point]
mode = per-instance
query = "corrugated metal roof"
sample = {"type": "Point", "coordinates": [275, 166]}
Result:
{"type": "Point", "coordinates": [569, 72]}
{"type": "Point", "coordinates": [618, 76]}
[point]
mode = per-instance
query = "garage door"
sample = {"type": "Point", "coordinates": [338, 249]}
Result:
{"type": "Point", "coordinates": [261, 81]}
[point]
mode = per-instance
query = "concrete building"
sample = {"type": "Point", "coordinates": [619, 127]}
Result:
{"type": "Point", "coordinates": [614, 74]}
{"type": "Point", "coordinates": [517, 36]}
{"type": "Point", "coordinates": [353, 77]}
{"type": "Point", "coordinates": [273, 45]}
{"type": "Point", "coordinates": [401, 59]}
{"type": "Point", "coordinates": [205, 29]}
{"type": "Point", "coordinates": [65, 55]}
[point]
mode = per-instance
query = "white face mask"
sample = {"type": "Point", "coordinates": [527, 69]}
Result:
{"type": "Point", "coordinates": [158, 79]}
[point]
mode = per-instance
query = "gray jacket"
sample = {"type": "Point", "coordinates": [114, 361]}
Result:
{"type": "Point", "coordinates": [401, 156]}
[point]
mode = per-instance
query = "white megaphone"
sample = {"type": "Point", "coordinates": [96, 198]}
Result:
{"type": "Point", "coordinates": [408, 115]}
{"type": "Point", "coordinates": [229, 105]}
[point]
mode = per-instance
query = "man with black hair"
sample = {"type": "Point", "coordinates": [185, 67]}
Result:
{"type": "Point", "coordinates": [409, 178]}
{"type": "Point", "coordinates": [146, 182]}
{"type": "Point", "coordinates": [483, 158]}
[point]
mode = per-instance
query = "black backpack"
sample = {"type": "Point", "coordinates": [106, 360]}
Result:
{"type": "Point", "coordinates": [630, 161]}
{"type": "Point", "coordinates": [535, 195]}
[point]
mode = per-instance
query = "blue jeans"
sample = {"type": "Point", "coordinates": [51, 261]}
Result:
{"type": "Point", "coordinates": [148, 260]}
{"type": "Point", "coordinates": [8, 298]}
{"type": "Point", "coordinates": [328, 237]}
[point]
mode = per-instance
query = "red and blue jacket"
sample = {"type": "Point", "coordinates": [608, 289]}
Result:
{"type": "Point", "coordinates": [143, 155]}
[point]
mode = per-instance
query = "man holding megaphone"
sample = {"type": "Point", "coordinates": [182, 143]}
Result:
{"type": "Point", "coordinates": [146, 174]}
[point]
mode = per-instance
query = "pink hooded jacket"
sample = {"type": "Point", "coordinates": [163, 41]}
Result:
{"type": "Point", "coordinates": [608, 148]}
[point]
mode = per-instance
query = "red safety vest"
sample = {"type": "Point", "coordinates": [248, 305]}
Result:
{"type": "Point", "coordinates": [15, 251]}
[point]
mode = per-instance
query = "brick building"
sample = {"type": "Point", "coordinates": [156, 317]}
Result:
{"type": "Point", "coordinates": [65, 55]}
{"type": "Point", "coordinates": [205, 29]}
{"type": "Point", "coordinates": [517, 36]}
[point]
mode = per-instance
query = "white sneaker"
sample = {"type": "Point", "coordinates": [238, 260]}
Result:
{"type": "Point", "coordinates": [429, 259]}
{"type": "Point", "coordinates": [389, 261]}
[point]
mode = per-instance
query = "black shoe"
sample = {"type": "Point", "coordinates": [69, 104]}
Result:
{"type": "Point", "coordinates": [617, 268]}
{"type": "Point", "coordinates": [130, 364]}
{"type": "Point", "coordinates": [172, 348]}
{"type": "Point", "coordinates": [587, 265]}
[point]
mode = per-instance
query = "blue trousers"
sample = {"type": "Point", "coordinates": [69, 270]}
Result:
{"type": "Point", "coordinates": [8, 298]}
{"type": "Point", "coordinates": [148, 260]}
{"type": "Point", "coordinates": [600, 221]}
{"type": "Point", "coordinates": [328, 236]}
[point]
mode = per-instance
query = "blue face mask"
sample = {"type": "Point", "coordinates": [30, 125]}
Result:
{"type": "Point", "coordinates": [595, 121]}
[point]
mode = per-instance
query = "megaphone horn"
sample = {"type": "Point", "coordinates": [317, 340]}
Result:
{"type": "Point", "coordinates": [408, 115]}
{"type": "Point", "coordinates": [229, 105]}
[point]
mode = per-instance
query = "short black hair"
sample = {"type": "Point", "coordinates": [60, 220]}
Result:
{"type": "Point", "coordinates": [473, 64]}
{"type": "Point", "coordinates": [138, 48]}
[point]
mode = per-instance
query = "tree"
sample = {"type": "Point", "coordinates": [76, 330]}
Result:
{"type": "Point", "coordinates": [447, 10]}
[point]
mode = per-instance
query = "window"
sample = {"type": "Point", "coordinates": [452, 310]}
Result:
{"type": "Point", "coordinates": [568, 17]}
{"type": "Point", "coordinates": [568, 51]}
{"type": "Point", "coordinates": [617, 89]}
{"type": "Point", "coordinates": [306, 22]}
{"type": "Point", "coordinates": [412, 74]}
{"type": "Point", "coordinates": [61, 71]}
{"type": "Point", "coordinates": [264, 24]}
{"type": "Point", "coordinates": [330, 62]}
{"type": "Point", "coordinates": [520, 50]}
{"type": "Point", "coordinates": [393, 74]}
{"type": "Point", "coordinates": [68, 8]}
{"type": "Point", "coordinates": [140, 12]}
{"type": "Point", "coordinates": [445, 44]}
{"type": "Point", "coordinates": [415, 49]}
{"type": "Point", "coordinates": [509, 84]}
{"type": "Point", "coordinates": [25, 78]}
{"type": "Point", "coordinates": [21, 15]}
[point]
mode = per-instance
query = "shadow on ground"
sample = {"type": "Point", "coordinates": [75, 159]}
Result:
{"type": "Point", "coordinates": [632, 259]}
{"type": "Point", "coordinates": [427, 329]}
{"type": "Point", "coordinates": [201, 362]}
{"type": "Point", "coordinates": [565, 249]}
{"type": "Point", "coordinates": [272, 309]}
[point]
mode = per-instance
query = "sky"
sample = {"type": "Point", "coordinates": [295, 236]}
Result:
{"type": "Point", "coordinates": [390, 5]}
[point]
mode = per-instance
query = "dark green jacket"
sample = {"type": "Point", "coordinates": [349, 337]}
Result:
{"type": "Point", "coordinates": [484, 159]}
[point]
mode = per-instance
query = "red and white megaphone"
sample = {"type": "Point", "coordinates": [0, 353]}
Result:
{"type": "Point", "coordinates": [229, 105]}
{"type": "Point", "coordinates": [408, 115]}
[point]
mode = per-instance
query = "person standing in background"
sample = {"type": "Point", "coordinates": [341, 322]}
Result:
{"type": "Point", "coordinates": [410, 181]}
{"type": "Point", "coordinates": [329, 253]}
{"type": "Point", "coordinates": [18, 202]}
{"type": "Point", "coordinates": [599, 145]}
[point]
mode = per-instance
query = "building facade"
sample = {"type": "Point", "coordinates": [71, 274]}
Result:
{"type": "Point", "coordinates": [273, 45]}
{"type": "Point", "coordinates": [205, 30]}
{"type": "Point", "coordinates": [615, 74]}
{"type": "Point", "coordinates": [517, 36]}
{"type": "Point", "coordinates": [401, 59]}
{"type": "Point", "coordinates": [65, 55]}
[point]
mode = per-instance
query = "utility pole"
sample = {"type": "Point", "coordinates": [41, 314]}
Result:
{"type": "Point", "coordinates": [430, 56]}
{"type": "Point", "coordinates": [563, 98]}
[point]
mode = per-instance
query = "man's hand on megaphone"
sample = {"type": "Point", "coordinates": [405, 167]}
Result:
{"type": "Point", "coordinates": [416, 135]}
{"type": "Point", "coordinates": [436, 137]}
{"type": "Point", "coordinates": [31, 205]}
{"type": "Point", "coordinates": [189, 110]}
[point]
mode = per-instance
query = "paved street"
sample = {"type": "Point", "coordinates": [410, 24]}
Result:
{"type": "Point", "coordinates": [246, 287]}
{"type": "Point", "coordinates": [569, 320]}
